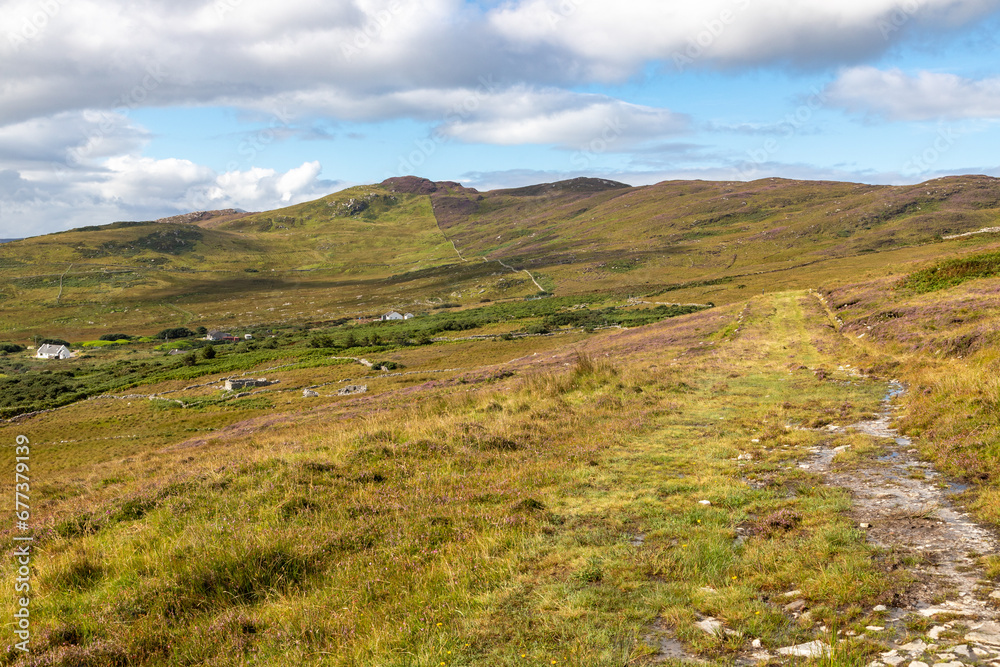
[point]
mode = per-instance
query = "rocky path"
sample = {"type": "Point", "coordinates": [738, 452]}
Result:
{"type": "Point", "coordinates": [904, 504]}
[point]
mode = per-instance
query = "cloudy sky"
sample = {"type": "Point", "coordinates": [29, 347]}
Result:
{"type": "Point", "coordinates": [133, 110]}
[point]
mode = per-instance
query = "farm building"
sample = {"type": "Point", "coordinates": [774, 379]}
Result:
{"type": "Point", "coordinates": [408, 316]}
{"type": "Point", "coordinates": [221, 336]}
{"type": "Point", "coordinates": [48, 351]}
{"type": "Point", "coordinates": [392, 315]}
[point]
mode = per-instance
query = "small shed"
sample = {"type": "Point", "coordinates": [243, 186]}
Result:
{"type": "Point", "coordinates": [49, 351]}
{"type": "Point", "coordinates": [408, 316]}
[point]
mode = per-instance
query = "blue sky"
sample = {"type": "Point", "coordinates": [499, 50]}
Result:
{"type": "Point", "coordinates": [117, 110]}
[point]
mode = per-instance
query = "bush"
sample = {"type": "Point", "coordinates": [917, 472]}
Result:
{"type": "Point", "coordinates": [208, 352]}
{"type": "Point", "coordinates": [176, 332]}
{"type": "Point", "coordinates": [11, 348]}
{"type": "Point", "coordinates": [189, 359]}
{"type": "Point", "coordinates": [322, 342]}
{"type": "Point", "coordinates": [115, 336]}
{"type": "Point", "coordinates": [54, 341]}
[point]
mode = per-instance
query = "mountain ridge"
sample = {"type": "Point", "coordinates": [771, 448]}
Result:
{"type": "Point", "coordinates": [410, 240]}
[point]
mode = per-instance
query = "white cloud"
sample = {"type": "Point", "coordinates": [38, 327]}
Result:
{"type": "Point", "coordinates": [611, 40]}
{"type": "Point", "coordinates": [568, 120]}
{"type": "Point", "coordinates": [130, 187]}
{"type": "Point", "coordinates": [259, 188]}
{"type": "Point", "coordinates": [69, 138]}
{"type": "Point", "coordinates": [491, 114]}
{"type": "Point", "coordinates": [896, 95]}
{"type": "Point", "coordinates": [105, 54]}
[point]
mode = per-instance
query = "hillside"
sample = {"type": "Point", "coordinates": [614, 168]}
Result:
{"type": "Point", "coordinates": [409, 243]}
{"type": "Point", "coordinates": [689, 423]}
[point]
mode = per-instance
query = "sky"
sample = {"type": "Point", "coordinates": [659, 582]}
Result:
{"type": "Point", "coordinates": [135, 110]}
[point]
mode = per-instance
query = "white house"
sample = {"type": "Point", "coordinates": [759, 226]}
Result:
{"type": "Point", "coordinates": [48, 351]}
{"type": "Point", "coordinates": [392, 315]}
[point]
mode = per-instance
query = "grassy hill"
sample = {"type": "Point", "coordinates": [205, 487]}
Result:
{"type": "Point", "coordinates": [580, 477]}
{"type": "Point", "coordinates": [411, 243]}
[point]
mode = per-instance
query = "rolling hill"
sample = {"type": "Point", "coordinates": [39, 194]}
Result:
{"type": "Point", "coordinates": [411, 243]}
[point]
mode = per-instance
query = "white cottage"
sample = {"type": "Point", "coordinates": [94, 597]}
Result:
{"type": "Point", "coordinates": [48, 351]}
{"type": "Point", "coordinates": [391, 315]}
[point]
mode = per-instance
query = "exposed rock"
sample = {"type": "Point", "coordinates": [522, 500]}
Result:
{"type": "Point", "coordinates": [309, 393]}
{"type": "Point", "coordinates": [797, 605]}
{"type": "Point", "coordinates": [243, 383]}
{"type": "Point", "coordinates": [710, 626]}
{"type": "Point", "coordinates": [813, 649]}
{"type": "Point", "coordinates": [914, 647]}
{"type": "Point", "coordinates": [892, 658]}
{"type": "Point", "coordinates": [352, 389]}
{"type": "Point", "coordinates": [985, 633]}
{"type": "Point", "coordinates": [953, 610]}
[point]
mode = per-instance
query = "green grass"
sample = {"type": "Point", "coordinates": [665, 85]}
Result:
{"type": "Point", "coordinates": [953, 272]}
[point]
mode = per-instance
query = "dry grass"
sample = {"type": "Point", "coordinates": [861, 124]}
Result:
{"type": "Point", "coordinates": [473, 523]}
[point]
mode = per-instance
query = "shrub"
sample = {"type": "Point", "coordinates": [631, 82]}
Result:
{"type": "Point", "coordinates": [176, 332]}
{"type": "Point", "coordinates": [208, 352]}
{"type": "Point", "coordinates": [953, 272]}
{"type": "Point", "coordinates": [11, 348]}
{"type": "Point", "coordinates": [322, 342]}
{"type": "Point", "coordinates": [54, 341]}
{"type": "Point", "coordinates": [115, 336]}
